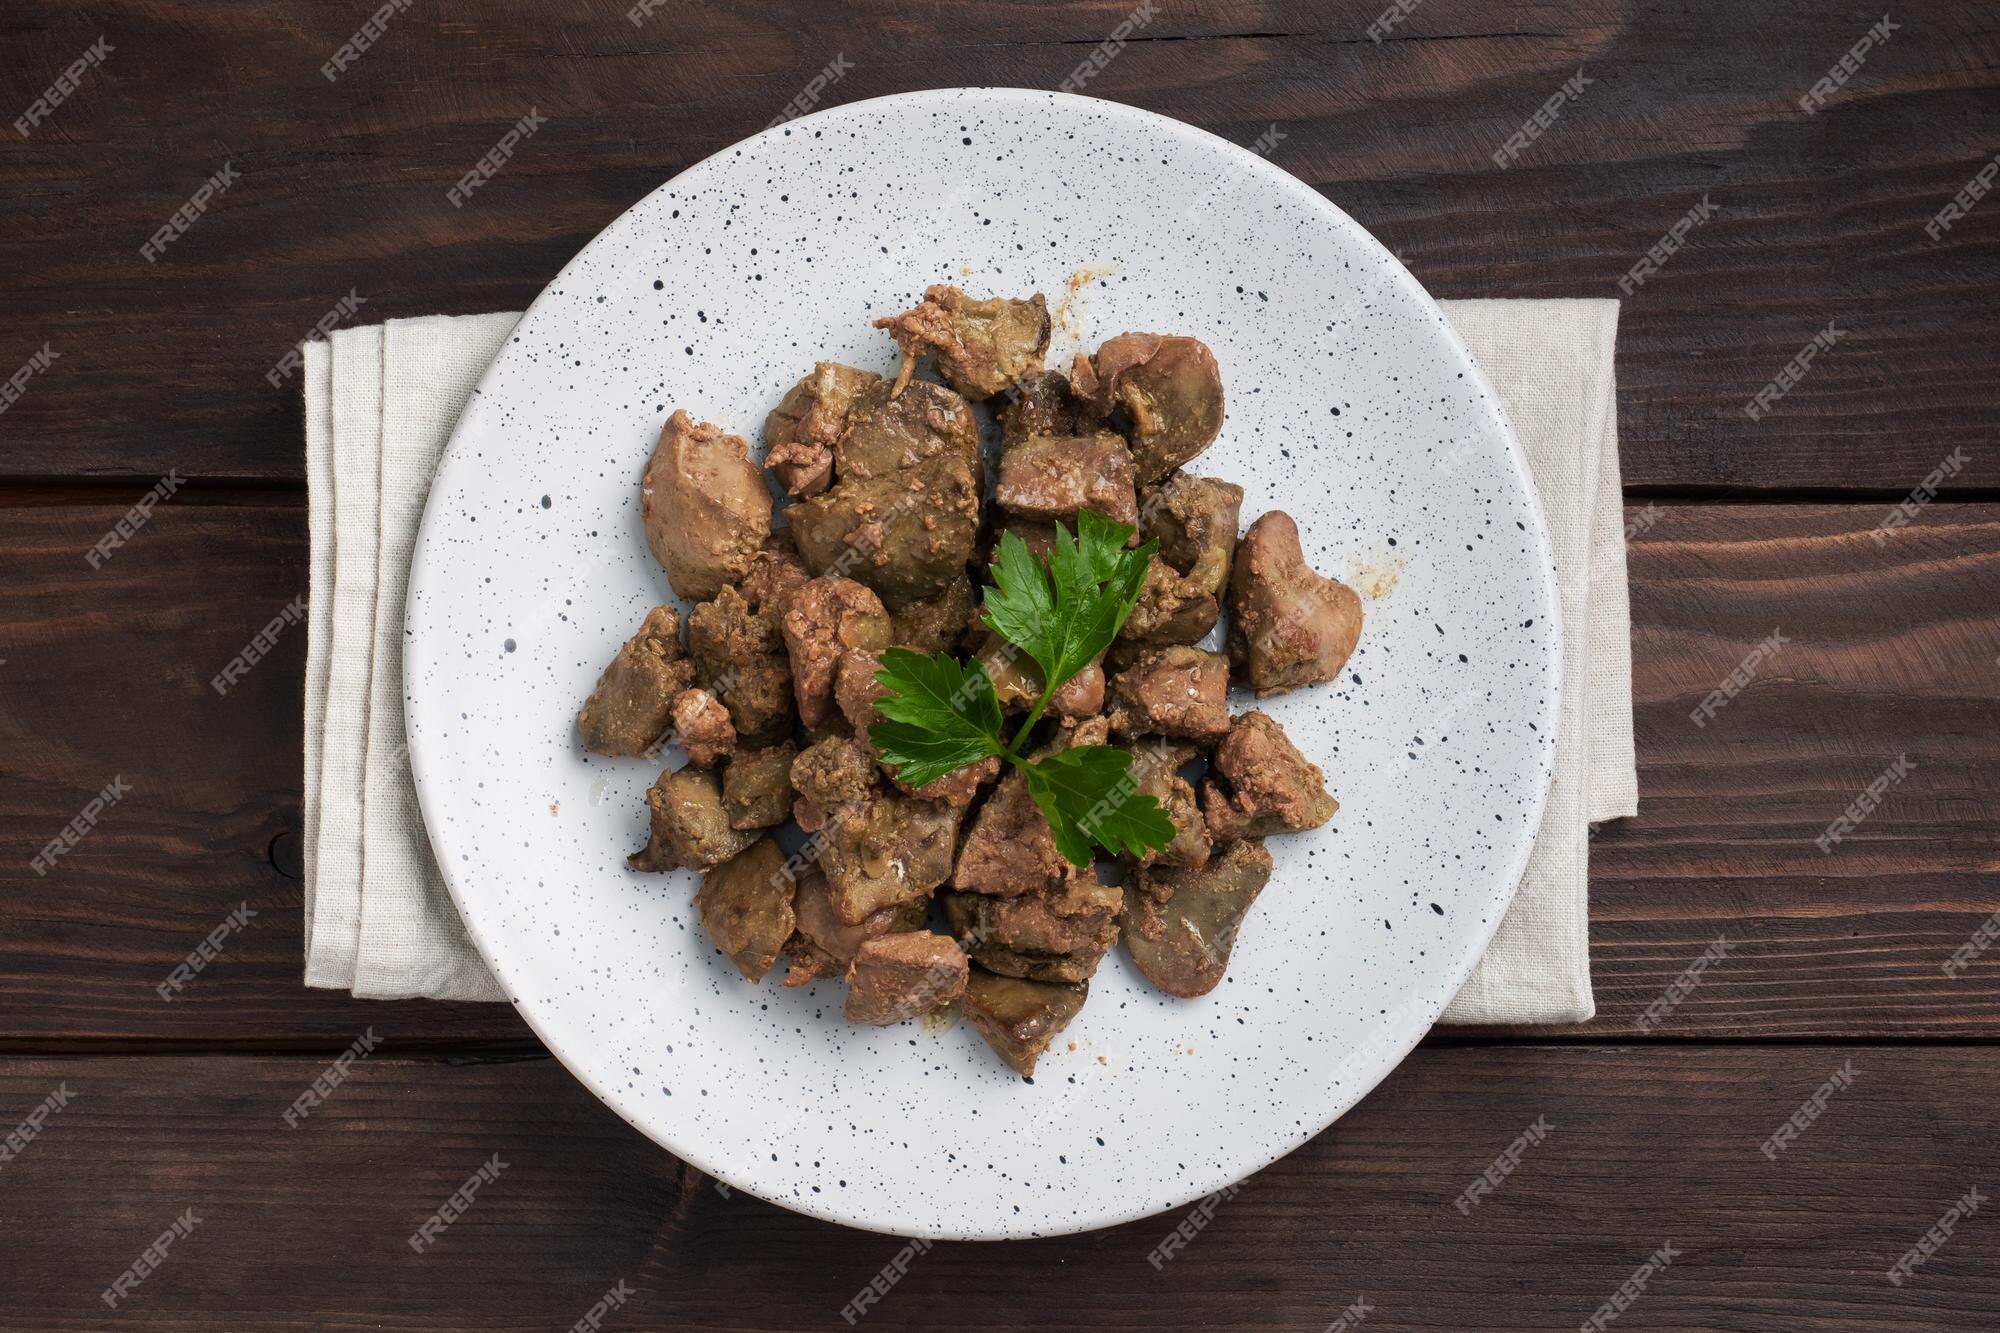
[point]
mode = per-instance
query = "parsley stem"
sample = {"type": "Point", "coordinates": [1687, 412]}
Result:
{"type": "Point", "coordinates": [1034, 716]}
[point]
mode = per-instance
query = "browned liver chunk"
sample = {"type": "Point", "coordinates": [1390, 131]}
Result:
{"type": "Point", "coordinates": [1174, 691]}
{"type": "Point", "coordinates": [745, 905]}
{"type": "Point", "coordinates": [1156, 764]}
{"type": "Point", "coordinates": [826, 618]}
{"type": "Point", "coordinates": [757, 786]}
{"type": "Point", "coordinates": [1169, 390]}
{"type": "Point", "coordinates": [1180, 925]}
{"type": "Point", "coordinates": [1043, 404]}
{"type": "Point", "coordinates": [904, 509]}
{"type": "Point", "coordinates": [1019, 1018]}
{"type": "Point", "coordinates": [739, 654]}
{"type": "Point", "coordinates": [1194, 521]}
{"type": "Point", "coordinates": [800, 432]}
{"type": "Point", "coordinates": [824, 945]}
{"type": "Point", "coordinates": [887, 433]}
{"type": "Point", "coordinates": [1049, 935]}
{"type": "Point", "coordinates": [855, 689]}
{"type": "Point", "coordinates": [703, 728]}
{"type": "Point", "coordinates": [776, 572]}
{"type": "Point", "coordinates": [935, 626]}
{"type": "Point", "coordinates": [1271, 787]}
{"type": "Point", "coordinates": [1009, 850]}
{"type": "Point", "coordinates": [899, 977]}
{"type": "Point", "coordinates": [689, 827]}
{"type": "Point", "coordinates": [1049, 477]}
{"type": "Point", "coordinates": [829, 774]}
{"type": "Point", "coordinates": [632, 707]}
{"type": "Point", "coordinates": [1288, 626]}
{"type": "Point", "coordinates": [982, 346]}
{"type": "Point", "coordinates": [885, 850]}
{"type": "Point", "coordinates": [704, 505]}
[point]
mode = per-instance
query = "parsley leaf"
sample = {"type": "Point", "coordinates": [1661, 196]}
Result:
{"type": "Point", "coordinates": [1088, 796]}
{"type": "Point", "coordinates": [942, 715]}
{"type": "Point", "coordinates": [1066, 612]}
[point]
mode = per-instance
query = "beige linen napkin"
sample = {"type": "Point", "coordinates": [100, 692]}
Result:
{"type": "Point", "coordinates": [1551, 363]}
{"type": "Point", "coordinates": [381, 401]}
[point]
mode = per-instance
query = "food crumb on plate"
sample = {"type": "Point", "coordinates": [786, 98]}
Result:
{"type": "Point", "coordinates": [1374, 578]}
{"type": "Point", "coordinates": [1067, 307]}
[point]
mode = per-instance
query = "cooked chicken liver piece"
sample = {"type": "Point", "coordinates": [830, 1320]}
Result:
{"type": "Point", "coordinates": [1180, 925]}
{"type": "Point", "coordinates": [823, 945]}
{"type": "Point", "coordinates": [632, 706]}
{"type": "Point", "coordinates": [776, 572]}
{"type": "Point", "coordinates": [745, 905]}
{"type": "Point", "coordinates": [1288, 626]}
{"type": "Point", "coordinates": [1169, 390]}
{"type": "Point", "coordinates": [1053, 477]}
{"type": "Point", "coordinates": [982, 346]}
{"type": "Point", "coordinates": [1049, 935]}
{"type": "Point", "coordinates": [823, 620]}
{"type": "Point", "coordinates": [855, 690]}
{"type": "Point", "coordinates": [886, 849]}
{"type": "Point", "coordinates": [899, 977]}
{"type": "Point", "coordinates": [831, 773]}
{"type": "Point", "coordinates": [806, 962]}
{"type": "Point", "coordinates": [1019, 1018]}
{"type": "Point", "coordinates": [1174, 691]}
{"type": "Point", "coordinates": [1272, 788]}
{"type": "Point", "coordinates": [903, 513]}
{"type": "Point", "coordinates": [1043, 404]}
{"type": "Point", "coordinates": [1009, 850]}
{"type": "Point", "coordinates": [739, 654]}
{"type": "Point", "coordinates": [936, 625]}
{"type": "Point", "coordinates": [1194, 520]}
{"type": "Point", "coordinates": [906, 536]}
{"type": "Point", "coordinates": [703, 728]}
{"type": "Point", "coordinates": [705, 507]}
{"type": "Point", "coordinates": [1156, 765]}
{"type": "Point", "coordinates": [799, 433]}
{"type": "Point", "coordinates": [736, 642]}
{"type": "Point", "coordinates": [757, 786]}
{"type": "Point", "coordinates": [887, 435]}
{"type": "Point", "coordinates": [689, 827]}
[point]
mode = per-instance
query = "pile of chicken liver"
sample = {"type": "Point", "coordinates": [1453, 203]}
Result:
{"type": "Point", "coordinates": [772, 693]}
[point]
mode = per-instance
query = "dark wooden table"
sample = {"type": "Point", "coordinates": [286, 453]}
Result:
{"type": "Point", "coordinates": [1835, 960]}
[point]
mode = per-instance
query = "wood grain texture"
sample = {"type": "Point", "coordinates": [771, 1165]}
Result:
{"type": "Point", "coordinates": [162, 365]}
{"type": "Point", "coordinates": [1890, 649]}
{"type": "Point", "coordinates": [107, 677]}
{"type": "Point", "coordinates": [1643, 1147]}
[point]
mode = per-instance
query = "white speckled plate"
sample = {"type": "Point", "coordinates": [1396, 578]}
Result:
{"type": "Point", "coordinates": [1350, 404]}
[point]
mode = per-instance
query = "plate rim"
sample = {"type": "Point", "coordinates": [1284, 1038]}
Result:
{"type": "Point", "coordinates": [1431, 1008]}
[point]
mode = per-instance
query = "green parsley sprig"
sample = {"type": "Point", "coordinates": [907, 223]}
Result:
{"type": "Point", "coordinates": [942, 714]}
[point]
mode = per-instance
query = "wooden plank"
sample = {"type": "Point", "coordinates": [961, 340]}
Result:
{"type": "Point", "coordinates": [1890, 650]}
{"type": "Point", "coordinates": [1639, 1147]}
{"type": "Point", "coordinates": [163, 364]}
{"type": "Point", "coordinates": [107, 679]}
